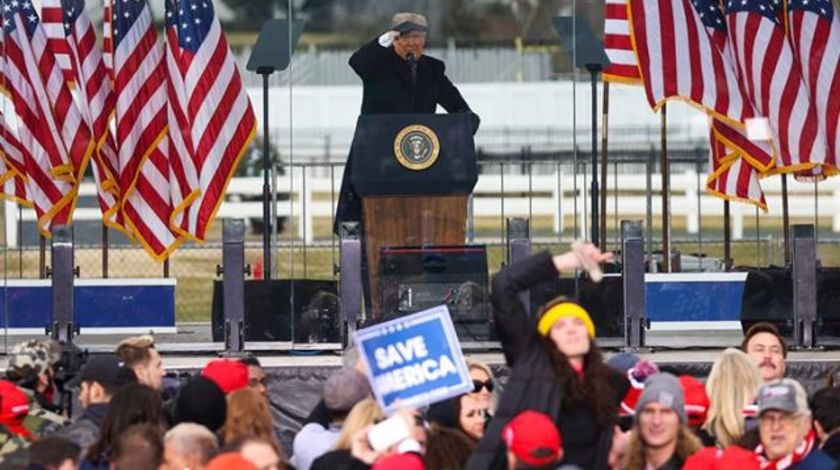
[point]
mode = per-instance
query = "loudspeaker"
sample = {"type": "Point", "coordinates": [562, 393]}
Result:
{"type": "Point", "coordinates": [267, 311]}
{"type": "Point", "coordinates": [768, 297]}
{"type": "Point", "coordinates": [417, 278]}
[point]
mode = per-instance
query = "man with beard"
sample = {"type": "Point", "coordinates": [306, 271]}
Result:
{"type": "Point", "coordinates": [30, 368]}
{"type": "Point", "coordinates": [764, 345]}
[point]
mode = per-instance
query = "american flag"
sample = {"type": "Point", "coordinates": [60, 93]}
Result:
{"type": "Point", "coordinates": [69, 29]}
{"type": "Point", "coordinates": [28, 41]}
{"type": "Point", "coordinates": [732, 177]}
{"type": "Point", "coordinates": [759, 154]}
{"type": "Point", "coordinates": [49, 125]}
{"type": "Point", "coordinates": [52, 17]}
{"type": "Point", "coordinates": [184, 174]}
{"type": "Point", "coordinates": [618, 43]}
{"type": "Point", "coordinates": [13, 167]}
{"type": "Point", "coordinates": [107, 36]}
{"type": "Point", "coordinates": [213, 119]}
{"type": "Point", "coordinates": [12, 184]}
{"type": "Point", "coordinates": [773, 82]}
{"type": "Point", "coordinates": [814, 31]}
{"type": "Point", "coordinates": [139, 75]}
{"type": "Point", "coordinates": [678, 59]}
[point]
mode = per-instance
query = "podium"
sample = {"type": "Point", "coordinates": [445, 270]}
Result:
{"type": "Point", "coordinates": [413, 173]}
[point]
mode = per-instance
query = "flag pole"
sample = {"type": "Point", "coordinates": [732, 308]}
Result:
{"type": "Point", "coordinates": [727, 237]}
{"type": "Point", "coordinates": [605, 111]}
{"type": "Point", "coordinates": [42, 256]}
{"type": "Point", "coordinates": [785, 219]}
{"type": "Point", "coordinates": [785, 211]}
{"type": "Point", "coordinates": [666, 183]}
{"type": "Point", "coordinates": [104, 251]}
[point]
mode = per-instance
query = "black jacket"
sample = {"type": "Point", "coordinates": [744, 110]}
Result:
{"type": "Point", "coordinates": [533, 382]}
{"type": "Point", "coordinates": [832, 447]}
{"type": "Point", "coordinates": [389, 89]}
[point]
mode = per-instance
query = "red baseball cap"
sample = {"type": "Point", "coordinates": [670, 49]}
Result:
{"type": "Point", "coordinates": [533, 438]}
{"type": "Point", "coordinates": [229, 375]}
{"type": "Point", "coordinates": [696, 400]}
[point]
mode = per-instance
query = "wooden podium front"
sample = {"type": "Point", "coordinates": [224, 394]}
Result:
{"type": "Point", "coordinates": [413, 174]}
{"type": "Point", "coordinates": [409, 221]}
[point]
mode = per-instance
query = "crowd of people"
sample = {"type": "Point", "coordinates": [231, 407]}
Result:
{"type": "Point", "coordinates": [564, 405]}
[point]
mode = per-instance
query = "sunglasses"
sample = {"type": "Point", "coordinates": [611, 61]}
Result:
{"type": "Point", "coordinates": [478, 385]}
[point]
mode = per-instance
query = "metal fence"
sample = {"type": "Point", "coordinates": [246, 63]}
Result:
{"type": "Point", "coordinates": [550, 189]}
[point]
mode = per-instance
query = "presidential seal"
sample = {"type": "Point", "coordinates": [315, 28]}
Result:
{"type": "Point", "coordinates": [416, 147]}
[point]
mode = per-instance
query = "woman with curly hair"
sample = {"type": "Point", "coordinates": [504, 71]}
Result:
{"type": "Point", "coordinates": [556, 367]}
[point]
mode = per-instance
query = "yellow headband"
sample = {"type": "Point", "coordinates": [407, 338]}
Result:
{"type": "Point", "coordinates": [562, 310]}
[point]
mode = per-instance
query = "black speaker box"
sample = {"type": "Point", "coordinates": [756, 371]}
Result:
{"type": "Point", "coordinates": [768, 297]}
{"type": "Point", "coordinates": [268, 308]}
{"type": "Point", "coordinates": [417, 278]}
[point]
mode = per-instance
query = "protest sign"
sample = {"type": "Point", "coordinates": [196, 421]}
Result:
{"type": "Point", "coordinates": [415, 359]}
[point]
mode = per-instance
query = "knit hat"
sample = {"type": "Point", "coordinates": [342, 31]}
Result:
{"type": "Point", "coordinates": [14, 406]}
{"type": "Point", "coordinates": [665, 389]}
{"type": "Point", "coordinates": [696, 400]}
{"type": "Point", "coordinates": [344, 388]}
{"type": "Point", "coordinates": [533, 438]}
{"type": "Point", "coordinates": [636, 370]}
{"type": "Point", "coordinates": [563, 310]}
{"type": "Point", "coordinates": [28, 360]}
{"type": "Point", "coordinates": [200, 401]}
{"type": "Point", "coordinates": [229, 375]}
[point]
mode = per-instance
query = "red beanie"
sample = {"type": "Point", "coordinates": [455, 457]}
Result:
{"type": "Point", "coordinates": [229, 375]}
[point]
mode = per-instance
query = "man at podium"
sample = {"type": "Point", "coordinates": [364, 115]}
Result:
{"type": "Point", "coordinates": [398, 79]}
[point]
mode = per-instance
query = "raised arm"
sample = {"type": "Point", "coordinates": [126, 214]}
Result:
{"type": "Point", "coordinates": [367, 59]}
{"type": "Point", "coordinates": [515, 329]}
